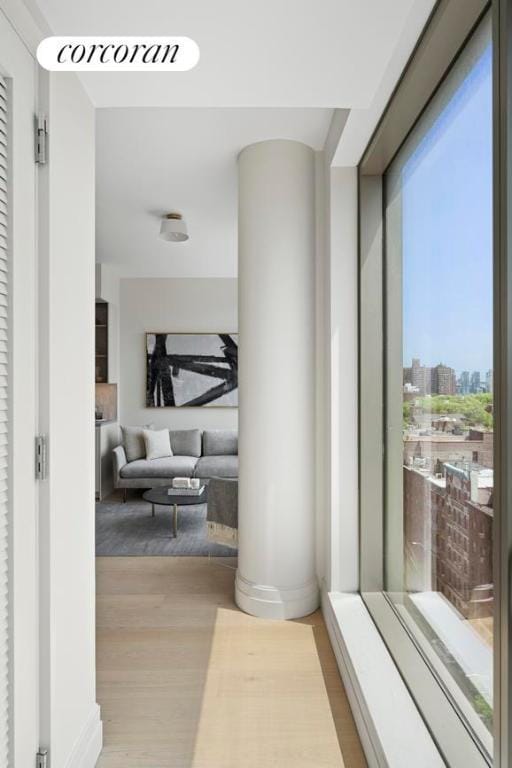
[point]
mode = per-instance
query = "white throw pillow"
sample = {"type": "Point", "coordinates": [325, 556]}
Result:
{"type": "Point", "coordinates": [158, 443]}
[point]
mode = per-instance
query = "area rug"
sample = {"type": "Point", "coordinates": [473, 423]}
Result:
{"type": "Point", "coordinates": [129, 529]}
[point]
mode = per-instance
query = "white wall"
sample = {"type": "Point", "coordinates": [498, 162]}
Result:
{"type": "Point", "coordinates": [70, 724]}
{"type": "Point", "coordinates": [337, 381]}
{"type": "Point", "coordinates": [194, 305]}
{"type": "Point", "coordinates": [343, 544]}
{"type": "Point", "coordinates": [321, 358]}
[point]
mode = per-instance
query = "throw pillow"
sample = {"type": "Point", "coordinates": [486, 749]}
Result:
{"type": "Point", "coordinates": [158, 444]}
{"type": "Point", "coordinates": [186, 442]}
{"type": "Point", "coordinates": [133, 442]}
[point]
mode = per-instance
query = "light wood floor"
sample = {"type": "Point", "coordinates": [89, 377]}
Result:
{"type": "Point", "coordinates": [185, 680]}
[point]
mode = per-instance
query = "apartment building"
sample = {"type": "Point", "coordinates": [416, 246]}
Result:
{"type": "Point", "coordinates": [437, 380]}
{"type": "Point", "coordinates": [448, 535]}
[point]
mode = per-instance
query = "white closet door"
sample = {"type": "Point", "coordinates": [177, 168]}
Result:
{"type": "Point", "coordinates": [4, 428]}
{"type": "Point", "coordinates": [19, 667]}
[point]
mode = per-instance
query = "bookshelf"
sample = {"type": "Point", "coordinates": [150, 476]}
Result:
{"type": "Point", "coordinates": [101, 358]}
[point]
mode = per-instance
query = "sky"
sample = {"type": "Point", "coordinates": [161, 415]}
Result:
{"type": "Point", "coordinates": [447, 232]}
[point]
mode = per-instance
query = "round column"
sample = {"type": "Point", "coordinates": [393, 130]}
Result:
{"type": "Point", "coordinates": [276, 560]}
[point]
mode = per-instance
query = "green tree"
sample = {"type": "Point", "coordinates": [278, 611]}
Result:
{"type": "Point", "coordinates": [475, 410]}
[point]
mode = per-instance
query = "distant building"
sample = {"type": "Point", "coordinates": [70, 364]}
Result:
{"type": "Point", "coordinates": [464, 383]}
{"type": "Point", "coordinates": [443, 380]}
{"type": "Point", "coordinates": [410, 392]}
{"type": "Point", "coordinates": [489, 381]}
{"type": "Point", "coordinates": [448, 535]}
{"type": "Point", "coordinates": [475, 385]}
{"type": "Point", "coordinates": [475, 447]}
{"type": "Point", "coordinates": [463, 547]}
{"type": "Point", "coordinates": [420, 377]}
{"type": "Point", "coordinates": [420, 515]}
{"type": "Point", "coordinates": [448, 425]}
{"type": "Point", "coordinates": [483, 451]}
{"type": "Point", "coordinates": [440, 380]}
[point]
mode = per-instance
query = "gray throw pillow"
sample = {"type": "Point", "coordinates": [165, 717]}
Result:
{"type": "Point", "coordinates": [220, 442]}
{"type": "Point", "coordinates": [186, 442]}
{"type": "Point", "coordinates": [133, 442]}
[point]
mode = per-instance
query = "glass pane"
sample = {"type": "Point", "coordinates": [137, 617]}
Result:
{"type": "Point", "coordinates": [439, 384]}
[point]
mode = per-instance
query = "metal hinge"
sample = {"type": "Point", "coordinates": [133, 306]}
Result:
{"type": "Point", "coordinates": [41, 457]}
{"type": "Point", "coordinates": [41, 139]}
{"type": "Point", "coordinates": [42, 759]}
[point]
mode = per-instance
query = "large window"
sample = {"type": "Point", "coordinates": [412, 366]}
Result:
{"type": "Point", "coordinates": [433, 519]}
{"type": "Point", "coordinates": [439, 384]}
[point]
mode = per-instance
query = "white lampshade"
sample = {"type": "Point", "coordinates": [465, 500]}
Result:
{"type": "Point", "coordinates": [174, 228]}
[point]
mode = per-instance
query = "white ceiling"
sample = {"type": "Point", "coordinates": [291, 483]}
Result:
{"type": "Point", "coordinates": [361, 123]}
{"type": "Point", "coordinates": [149, 161]}
{"type": "Point", "coordinates": [273, 69]}
{"type": "Point", "coordinates": [271, 53]}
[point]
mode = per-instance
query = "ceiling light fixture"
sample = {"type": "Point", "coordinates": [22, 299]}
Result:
{"type": "Point", "coordinates": [174, 228]}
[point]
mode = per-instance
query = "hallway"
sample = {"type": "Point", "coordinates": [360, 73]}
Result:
{"type": "Point", "coordinates": [185, 680]}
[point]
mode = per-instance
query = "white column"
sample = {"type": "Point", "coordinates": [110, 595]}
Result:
{"type": "Point", "coordinates": [276, 572]}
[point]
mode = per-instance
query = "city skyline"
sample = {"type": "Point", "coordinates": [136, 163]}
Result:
{"type": "Point", "coordinates": [442, 379]}
{"type": "Point", "coordinates": [428, 364]}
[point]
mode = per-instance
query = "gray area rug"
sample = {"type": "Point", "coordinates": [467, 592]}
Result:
{"type": "Point", "coordinates": [128, 529]}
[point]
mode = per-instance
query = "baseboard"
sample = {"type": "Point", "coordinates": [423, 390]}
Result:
{"type": "Point", "coordinates": [89, 744]}
{"type": "Point", "coordinates": [269, 602]}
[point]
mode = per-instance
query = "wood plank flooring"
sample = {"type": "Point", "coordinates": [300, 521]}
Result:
{"type": "Point", "coordinates": [186, 680]}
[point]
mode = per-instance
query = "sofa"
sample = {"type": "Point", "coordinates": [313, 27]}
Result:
{"type": "Point", "coordinates": [212, 453]}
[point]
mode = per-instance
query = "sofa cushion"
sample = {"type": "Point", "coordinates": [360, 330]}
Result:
{"type": "Point", "coordinates": [217, 466]}
{"type": "Point", "coordinates": [186, 442]}
{"type": "Point", "coordinates": [133, 442]}
{"type": "Point", "coordinates": [174, 466]}
{"type": "Point", "coordinates": [220, 442]}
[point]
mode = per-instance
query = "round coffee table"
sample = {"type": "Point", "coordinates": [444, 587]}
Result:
{"type": "Point", "coordinates": [161, 497]}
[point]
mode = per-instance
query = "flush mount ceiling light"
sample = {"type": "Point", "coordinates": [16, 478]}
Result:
{"type": "Point", "coordinates": [174, 228]}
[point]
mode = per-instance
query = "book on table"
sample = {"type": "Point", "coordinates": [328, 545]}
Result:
{"type": "Point", "coordinates": [185, 491]}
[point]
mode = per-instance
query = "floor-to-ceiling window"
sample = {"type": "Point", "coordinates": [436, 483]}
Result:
{"type": "Point", "coordinates": [431, 485]}
{"type": "Point", "coordinates": [439, 446]}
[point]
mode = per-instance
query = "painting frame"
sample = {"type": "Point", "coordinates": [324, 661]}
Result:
{"type": "Point", "coordinates": [163, 369]}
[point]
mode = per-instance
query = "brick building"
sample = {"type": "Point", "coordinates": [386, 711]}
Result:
{"type": "Point", "coordinates": [448, 535]}
{"type": "Point", "coordinates": [418, 376]}
{"type": "Point", "coordinates": [476, 447]}
{"type": "Point", "coordinates": [444, 380]}
{"type": "Point", "coordinates": [440, 380]}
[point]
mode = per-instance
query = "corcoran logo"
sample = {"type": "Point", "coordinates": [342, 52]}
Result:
{"type": "Point", "coordinates": [118, 54]}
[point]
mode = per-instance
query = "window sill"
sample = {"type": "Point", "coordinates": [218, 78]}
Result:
{"type": "Point", "coordinates": [471, 654]}
{"type": "Point", "coordinates": [389, 724]}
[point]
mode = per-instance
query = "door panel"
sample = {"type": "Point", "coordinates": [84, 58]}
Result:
{"type": "Point", "coordinates": [18, 667]}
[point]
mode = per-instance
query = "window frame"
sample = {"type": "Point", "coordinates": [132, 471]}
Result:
{"type": "Point", "coordinates": [450, 26]}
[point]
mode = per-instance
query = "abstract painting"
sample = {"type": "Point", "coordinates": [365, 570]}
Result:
{"type": "Point", "coordinates": [191, 369]}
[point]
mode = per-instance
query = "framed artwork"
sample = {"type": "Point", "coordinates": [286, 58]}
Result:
{"type": "Point", "coordinates": [191, 369]}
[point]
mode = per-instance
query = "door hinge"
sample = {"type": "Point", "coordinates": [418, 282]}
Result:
{"type": "Point", "coordinates": [42, 759]}
{"type": "Point", "coordinates": [41, 457]}
{"type": "Point", "coordinates": [41, 139]}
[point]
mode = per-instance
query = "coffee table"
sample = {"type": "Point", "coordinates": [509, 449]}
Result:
{"type": "Point", "coordinates": [160, 497]}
